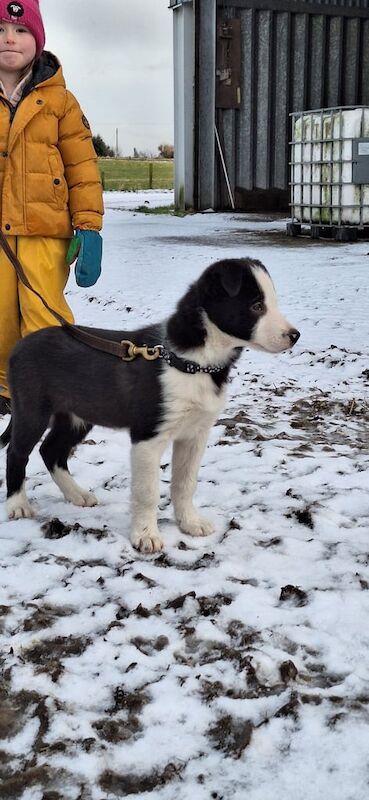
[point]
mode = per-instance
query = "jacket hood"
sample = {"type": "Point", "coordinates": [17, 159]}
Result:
{"type": "Point", "coordinates": [46, 67]}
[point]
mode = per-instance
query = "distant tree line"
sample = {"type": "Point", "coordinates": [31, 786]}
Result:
{"type": "Point", "coordinates": [104, 150]}
{"type": "Point", "coordinates": [101, 148]}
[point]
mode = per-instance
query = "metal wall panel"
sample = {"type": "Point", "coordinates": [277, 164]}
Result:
{"type": "Point", "coordinates": [205, 103]}
{"type": "Point", "coordinates": [246, 155]}
{"type": "Point", "coordinates": [317, 55]}
{"type": "Point", "coordinates": [299, 57]}
{"type": "Point", "coordinates": [335, 4]}
{"type": "Point", "coordinates": [364, 72]}
{"type": "Point", "coordinates": [351, 62]}
{"type": "Point", "coordinates": [184, 111]}
{"type": "Point", "coordinates": [356, 8]}
{"type": "Point", "coordinates": [226, 122]}
{"type": "Point", "coordinates": [281, 83]}
{"type": "Point", "coordinates": [291, 60]}
{"type": "Point", "coordinates": [333, 78]}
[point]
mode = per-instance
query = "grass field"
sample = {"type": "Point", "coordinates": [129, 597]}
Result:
{"type": "Point", "coordinates": [123, 174]}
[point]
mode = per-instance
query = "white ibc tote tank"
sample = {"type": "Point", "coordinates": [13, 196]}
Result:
{"type": "Point", "coordinates": [329, 161]}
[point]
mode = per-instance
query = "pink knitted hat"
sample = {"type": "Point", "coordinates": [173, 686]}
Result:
{"type": "Point", "coordinates": [25, 12]}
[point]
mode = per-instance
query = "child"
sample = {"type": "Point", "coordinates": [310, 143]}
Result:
{"type": "Point", "coordinates": [49, 182]}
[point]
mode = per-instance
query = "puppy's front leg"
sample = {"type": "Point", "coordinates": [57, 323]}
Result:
{"type": "Point", "coordinates": [185, 466]}
{"type": "Point", "coordinates": [145, 494]}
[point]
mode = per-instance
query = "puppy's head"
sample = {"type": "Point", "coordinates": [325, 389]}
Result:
{"type": "Point", "coordinates": [239, 298]}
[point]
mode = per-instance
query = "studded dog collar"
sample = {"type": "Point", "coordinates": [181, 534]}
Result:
{"type": "Point", "coordinates": [184, 365]}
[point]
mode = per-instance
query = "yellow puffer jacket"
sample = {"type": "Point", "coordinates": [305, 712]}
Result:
{"type": "Point", "coordinates": [49, 179]}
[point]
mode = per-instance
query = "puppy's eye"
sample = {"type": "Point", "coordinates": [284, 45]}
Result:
{"type": "Point", "coordinates": [257, 307]}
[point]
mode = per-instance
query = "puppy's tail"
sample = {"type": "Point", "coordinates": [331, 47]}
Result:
{"type": "Point", "coordinates": [5, 437]}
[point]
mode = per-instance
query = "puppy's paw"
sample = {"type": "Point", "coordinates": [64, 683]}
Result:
{"type": "Point", "coordinates": [18, 507]}
{"type": "Point", "coordinates": [147, 541]}
{"type": "Point", "coordinates": [72, 492]}
{"type": "Point", "coordinates": [195, 525]}
{"type": "Point", "coordinates": [79, 497]}
{"type": "Point", "coordinates": [89, 499]}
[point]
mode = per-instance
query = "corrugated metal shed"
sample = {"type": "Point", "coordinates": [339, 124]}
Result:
{"type": "Point", "coordinates": [294, 55]}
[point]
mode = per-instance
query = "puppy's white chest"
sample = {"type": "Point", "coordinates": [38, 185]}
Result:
{"type": "Point", "coordinates": [191, 401]}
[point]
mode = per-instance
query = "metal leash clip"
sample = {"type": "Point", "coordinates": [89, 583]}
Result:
{"type": "Point", "coordinates": [134, 350]}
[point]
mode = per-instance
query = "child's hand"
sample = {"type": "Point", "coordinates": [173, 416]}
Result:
{"type": "Point", "coordinates": [86, 246]}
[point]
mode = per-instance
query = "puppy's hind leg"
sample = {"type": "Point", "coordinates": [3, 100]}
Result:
{"type": "Point", "coordinates": [185, 465]}
{"type": "Point", "coordinates": [26, 432]}
{"type": "Point", "coordinates": [67, 431]}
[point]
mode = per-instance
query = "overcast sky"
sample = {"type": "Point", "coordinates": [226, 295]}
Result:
{"type": "Point", "coordinates": [117, 59]}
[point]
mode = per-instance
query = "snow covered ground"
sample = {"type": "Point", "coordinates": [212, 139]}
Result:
{"type": "Point", "coordinates": [230, 667]}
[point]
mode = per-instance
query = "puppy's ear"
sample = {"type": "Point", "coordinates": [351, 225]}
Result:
{"type": "Point", "coordinates": [231, 279]}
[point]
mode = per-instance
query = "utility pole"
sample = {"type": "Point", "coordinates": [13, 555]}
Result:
{"type": "Point", "coordinates": [116, 142]}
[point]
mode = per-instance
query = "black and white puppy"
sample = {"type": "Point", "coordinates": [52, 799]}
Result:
{"type": "Point", "coordinates": [60, 382]}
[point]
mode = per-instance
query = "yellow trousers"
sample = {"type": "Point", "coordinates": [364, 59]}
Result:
{"type": "Point", "coordinates": [21, 312]}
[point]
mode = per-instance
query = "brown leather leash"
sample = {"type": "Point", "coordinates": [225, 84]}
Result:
{"type": "Point", "coordinates": [125, 350]}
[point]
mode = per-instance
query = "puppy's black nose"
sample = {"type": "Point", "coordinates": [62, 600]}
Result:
{"type": "Point", "coordinates": [294, 335]}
